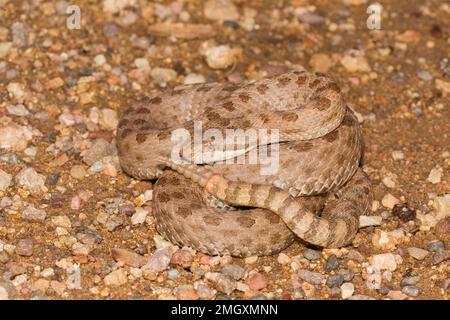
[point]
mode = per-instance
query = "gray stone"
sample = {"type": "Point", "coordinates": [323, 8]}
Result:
{"type": "Point", "coordinates": [160, 260]}
{"type": "Point", "coordinates": [311, 277]}
{"type": "Point", "coordinates": [99, 150]}
{"type": "Point", "coordinates": [409, 281]}
{"type": "Point", "coordinates": [234, 271]}
{"type": "Point", "coordinates": [24, 247]}
{"type": "Point", "coordinates": [347, 274]}
{"type": "Point", "coordinates": [311, 254]}
{"type": "Point", "coordinates": [332, 263]}
{"type": "Point", "coordinates": [335, 280]}
{"type": "Point", "coordinates": [440, 256]}
{"type": "Point", "coordinates": [411, 291]}
{"type": "Point", "coordinates": [29, 179]}
{"type": "Point", "coordinates": [7, 290]}
{"type": "Point", "coordinates": [436, 246]}
{"type": "Point", "coordinates": [33, 214]}
{"type": "Point", "coordinates": [5, 180]}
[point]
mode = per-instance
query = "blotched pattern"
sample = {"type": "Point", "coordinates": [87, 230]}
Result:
{"type": "Point", "coordinates": [320, 151]}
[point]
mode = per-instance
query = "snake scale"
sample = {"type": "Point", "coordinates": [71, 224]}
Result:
{"type": "Point", "coordinates": [220, 208]}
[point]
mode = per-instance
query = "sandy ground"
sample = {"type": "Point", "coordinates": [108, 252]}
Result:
{"type": "Point", "coordinates": [66, 207]}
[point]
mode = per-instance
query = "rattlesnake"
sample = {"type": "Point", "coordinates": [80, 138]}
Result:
{"type": "Point", "coordinates": [221, 208]}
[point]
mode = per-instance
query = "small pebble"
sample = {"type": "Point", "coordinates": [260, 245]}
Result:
{"type": "Point", "coordinates": [435, 175]}
{"type": "Point", "coordinates": [383, 261]}
{"type": "Point", "coordinates": [440, 256]}
{"type": "Point", "coordinates": [78, 172]}
{"type": "Point", "coordinates": [331, 264]}
{"type": "Point", "coordinates": [436, 246]}
{"type": "Point", "coordinates": [366, 221]}
{"type": "Point", "coordinates": [29, 179]}
{"type": "Point", "coordinates": [7, 290]}
{"type": "Point", "coordinates": [283, 259]}
{"type": "Point", "coordinates": [335, 280]}
{"type": "Point", "coordinates": [251, 260]}
{"type": "Point", "coordinates": [256, 281]}
{"type": "Point", "coordinates": [411, 291]}
{"type": "Point", "coordinates": [25, 247]}
{"type": "Point", "coordinates": [159, 260]}
{"type": "Point", "coordinates": [220, 57]}
{"type": "Point", "coordinates": [186, 292]}
{"type": "Point", "coordinates": [220, 10]}
{"type": "Point", "coordinates": [139, 217]}
{"type": "Point", "coordinates": [234, 271]}
{"type": "Point", "coordinates": [409, 281]}
{"type": "Point", "coordinates": [398, 155]}
{"type": "Point", "coordinates": [128, 258]}
{"type": "Point", "coordinates": [116, 278]}
{"type": "Point", "coordinates": [347, 290]}
{"type": "Point", "coordinates": [417, 253]}
{"type": "Point", "coordinates": [311, 277]}
{"type": "Point", "coordinates": [5, 180]}
{"type": "Point", "coordinates": [182, 258]}
{"type": "Point", "coordinates": [33, 214]}
{"type": "Point", "coordinates": [389, 201]}
{"type": "Point", "coordinates": [311, 254]}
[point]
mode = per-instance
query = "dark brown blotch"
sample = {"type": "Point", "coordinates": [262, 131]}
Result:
{"type": "Point", "coordinates": [163, 197]}
{"type": "Point", "coordinates": [347, 121]}
{"type": "Point", "coordinates": [230, 88]}
{"type": "Point", "coordinates": [284, 81]}
{"type": "Point", "coordinates": [212, 116]}
{"type": "Point", "coordinates": [125, 133]}
{"type": "Point", "coordinates": [313, 84]}
{"type": "Point", "coordinates": [265, 118]}
{"type": "Point", "coordinates": [303, 146]}
{"type": "Point", "coordinates": [290, 116]}
{"type": "Point", "coordinates": [177, 92]}
{"type": "Point", "coordinates": [184, 212]}
{"type": "Point", "coordinates": [244, 97]}
{"type": "Point", "coordinates": [322, 104]}
{"type": "Point", "coordinates": [245, 222]}
{"type": "Point", "coordinates": [139, 122]}
{"type": "Point", "coordinates": [262, 88]}
{"type": "Point", "coordinates": [229, 106]}
{"type": "Point", "coordinates": [155, 100]}
{"type": "Point", "coordinates": [271, 217]}
{"type": "Point", "coordinates": [301, 80]}
{"type": "Point", "coordinates": [203, 88]}
{"type": "Point", "coordinates": [142, 111]}
{"type": "Point", "coordinates": [141, 137]}
{"type": "Point", "coordinates": [122, 123]}
{"type": "Point", "coordinates": [332, 136]}
{"type": "Point", "coordinates": [178, 195]}
{"type": "Point", "coordinates": [246, 124]}
{"type": "Point", "coordinates": [212, 220]}
{"type": "Point", "coordinates": [224, 122]}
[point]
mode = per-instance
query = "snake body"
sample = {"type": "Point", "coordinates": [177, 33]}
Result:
{"type": "Point", "coordinates": [230, 208]}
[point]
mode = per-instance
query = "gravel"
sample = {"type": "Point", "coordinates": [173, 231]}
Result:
{"type": "Point", "coordinates": [160, 260]}
{"type": "Point", "coordinates": [25, 247]}
{"type": "Point", "coordinates": [436, 246]}
{"type": "Point", "coordinates": [29, 179]}
{"type": "Point", "coordinates": [335, 280]}
{"type": "Point", "coordinates": [311, 277]}
{"type": "Point", "coordinates": [312, 254]}
{"type": "Point", "coordinates": [347, 290]}
{"type": "Point", "coordinates": [411, 291]}
{"type": "Point", "coordinates": [256, 281]}
{"type": "Point", "coordinates": [33, 214]}
{"type": "Point", "coordinates": [5, 180]}
{"type": "Point", "coordinates": [332, 263]}
{"type": "Point", "coordinates": [234, 271]}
